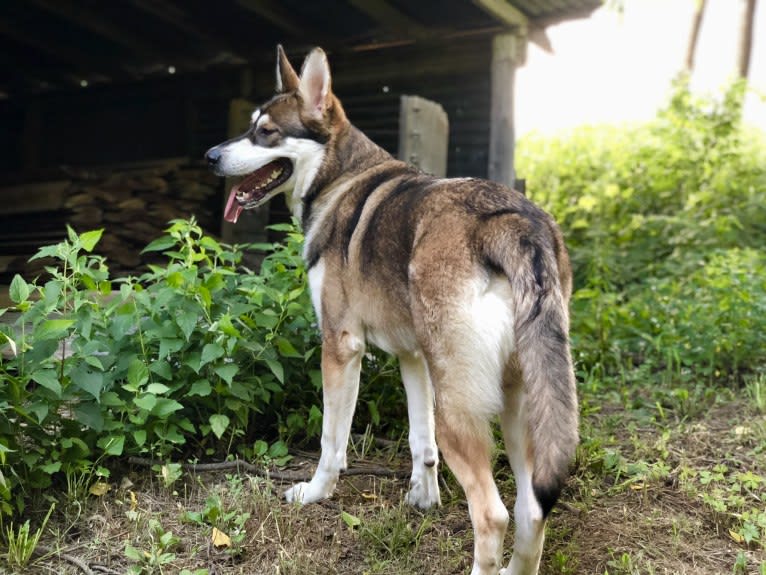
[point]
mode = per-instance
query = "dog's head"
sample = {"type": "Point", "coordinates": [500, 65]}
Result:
{"type": "Point", "coordinates": [284, 147]}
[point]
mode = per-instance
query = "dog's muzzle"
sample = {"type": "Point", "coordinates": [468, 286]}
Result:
{"type": "Point", "coordinates": [213, 156]}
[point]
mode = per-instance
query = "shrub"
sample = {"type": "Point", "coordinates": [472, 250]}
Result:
{"type": "Point", "coordinates": [194, 357]}
{"type": "Point", "coordinates": [665, 226]}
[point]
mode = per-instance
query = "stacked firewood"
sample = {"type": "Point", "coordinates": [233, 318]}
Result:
{"type": "Point", "coordinates": [133, 205]}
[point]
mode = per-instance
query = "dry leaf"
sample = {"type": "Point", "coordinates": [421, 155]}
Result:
{"type": "Point", "coordinates": [736, 537]}
{"type": "Point", "coordinates": [369, 496]}
{"type": "Point", "coordinates": [99, 488]}
{"type": "Point", "coordinates": [638, 486]}
{"type": "Point", "coordinates": [133, 501]}
{"type": "Point", "coordinates": [220, 539]}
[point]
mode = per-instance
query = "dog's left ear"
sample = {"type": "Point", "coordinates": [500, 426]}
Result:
{"type": "Point", "coordinates": [314, 85]}
{"type": "Point", "coordinates": [287, 79]}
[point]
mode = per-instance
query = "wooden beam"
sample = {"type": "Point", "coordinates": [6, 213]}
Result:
{"type": "Point", "coordinates": [390, 17]}
{"type": "Point", "coordinates": [275, 13]}
{"type": "Point", "coordinates": [73, 13]}
{"type": "Point", "coordinates": [505, 12]}
{"type": "Point", "coordinates": [83, 64]}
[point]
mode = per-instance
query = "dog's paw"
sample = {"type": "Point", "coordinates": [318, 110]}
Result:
{"type": "Point", "coordinates": [305, 493]}
{"type": "Point", "coordinates": [424, 491]}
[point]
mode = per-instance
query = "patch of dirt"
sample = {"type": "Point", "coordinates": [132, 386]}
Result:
{"type": "Point", "coordinates": [652, 526]}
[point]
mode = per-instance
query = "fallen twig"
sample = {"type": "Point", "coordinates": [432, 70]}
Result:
{"type": "Point", "coordinates": [44, 550]}
{"type": "Point", "coordinates": [240, 465]}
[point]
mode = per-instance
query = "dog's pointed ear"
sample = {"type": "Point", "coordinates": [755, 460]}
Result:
{"type": "Point", "coordinates": [314, 85]}
{"type": "Point", "coordinates": [287, 78]}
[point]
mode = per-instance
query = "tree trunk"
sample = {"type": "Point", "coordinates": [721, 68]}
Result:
{"type": "Point", "coordinates": [691, 47]}
{"type": "Point", "coordinates": [746, 39]}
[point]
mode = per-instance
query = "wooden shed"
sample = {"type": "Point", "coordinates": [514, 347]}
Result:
{"type": "Point", "coordinates": [107, 107]}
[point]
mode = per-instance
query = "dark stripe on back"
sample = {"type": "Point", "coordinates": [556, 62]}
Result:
{"type": "Point", "coordinates": [498, 213]}
{"type": "Point", "coordinates": [368, 187]}
{"type": "Point", "coordinates": [412, 189]}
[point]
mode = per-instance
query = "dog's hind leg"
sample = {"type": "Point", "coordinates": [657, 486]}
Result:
{"type": "Point", "coordinates": [424, 486]}
{"type": "Point", "coordinates": [341, 363]}
{"type": "Point", "coordinates": [528, 514]}
{"type": "Point", "coordinates": [465, 442]}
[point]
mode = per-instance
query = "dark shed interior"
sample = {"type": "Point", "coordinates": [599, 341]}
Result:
{"type": "Point", "coordinates": [107, 107]}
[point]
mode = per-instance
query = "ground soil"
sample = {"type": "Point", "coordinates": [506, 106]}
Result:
{"type": "Point", "coordinates": [602, 525]}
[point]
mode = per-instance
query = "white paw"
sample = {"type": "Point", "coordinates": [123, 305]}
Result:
{"type": "Point", "coordinates": [424, 491]}
{"type": "Point", "coordinates": [305, 493]}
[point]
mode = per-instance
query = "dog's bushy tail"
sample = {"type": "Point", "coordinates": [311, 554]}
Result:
{"type": "Point", "coordinates": [550, 393]}
{"type": "Point", "coordinates": [537, 266]}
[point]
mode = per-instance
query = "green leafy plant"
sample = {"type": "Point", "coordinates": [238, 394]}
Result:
{"type": "Point", "coordinates": [158, 556]}
{"type": "Point", "coordinates": [196, 355]}
{"type": "Point", "coordinates": [21, 542]}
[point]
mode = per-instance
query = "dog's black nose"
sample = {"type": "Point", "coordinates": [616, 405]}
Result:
{"type": "Point", "coordinates": [213, 155]}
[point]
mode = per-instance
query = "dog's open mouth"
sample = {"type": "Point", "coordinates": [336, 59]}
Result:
{"type": "Point", "coordinates": [253, 190]}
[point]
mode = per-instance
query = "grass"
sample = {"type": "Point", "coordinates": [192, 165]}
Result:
{"type": "Point", "coordinates": [663, 484]}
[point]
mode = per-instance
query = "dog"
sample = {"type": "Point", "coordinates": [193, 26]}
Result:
{"type": "Point", "coordinates": [466, 281]}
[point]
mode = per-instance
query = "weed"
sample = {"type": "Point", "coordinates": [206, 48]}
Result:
{"type": "Point", "coordinates": [21, 544]}
{"type": "Point", "coordinates": [755, 387]}
{"type": "Point", "coordinates": [158, 557]}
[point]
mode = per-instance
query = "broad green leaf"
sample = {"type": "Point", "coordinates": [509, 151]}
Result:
{"type": "Point", "coordinates": [71, 234]}
{"type": "Point", "coordinates": [40, 409]}
{"type": "Point", "coordinates": [200, 387]}
{"type": "Point", "coordinates": [166, 407]}
{"type": "Point", "coordinates": [47, 252]}
{"type": "Point", "coordinates": [89, 413]}
{"type": "Point", "coordinates": [276, 368]}
{"type": "Point", "coordinates": [160, 244]}
{"type": "Point", "coordinates": [88, 240]}
{"type": "Point", "coordinates": [147, 401]}
{"type": "Point", "coordinates": [12, 344]}
{"type": "Point", "coordinates": [162, 368]}
{"type": "Point", "coordinates": [94, 361]}
{"type": "Point", "coordinates": [138, 373]}
{"type": "Point", "coordinates": [209, 243]}
{"type": "Point", "coordinates": [226, 372]}
{"type": "Point", "coordinates": [211, 352]}
{"type": "Point", "coordinates": [53, 328]}
{"type": "Point", "coordinates": [90, 381]}
{"type": "Point", "coordinates": [187, 321]}
{"type": "Point", "coordinates": [286, 349]}
{"type": "Point", "coordinates": [193, 361]}
{"type": "Point", "coordinates": [19, 289]}
{"type": "Point", "coordinates": [49, 379]}
{"type": "Point", "coordinates": [227, 327]}
{"type": "Point", "coordinates": [112, 444]}
{"type": "Point", "coordinates": [219, 423]}
{"type": "Point", "coordinates": [51, 293]}
{"type": "Point", "coordinates": [139, 436]}
{"type": "Point", "coordinates": [52, 468]}
{"type": "Point", "coordinates": [168, 346]}
{"type": "Point", "coordinates": [157, 388]}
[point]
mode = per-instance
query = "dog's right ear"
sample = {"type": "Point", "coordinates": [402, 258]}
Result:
{"type": "Point", "coordinates": [287, 78]}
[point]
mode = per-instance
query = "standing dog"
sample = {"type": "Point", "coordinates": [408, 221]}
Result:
{"type": "Point", "coordinates": [464, 280]}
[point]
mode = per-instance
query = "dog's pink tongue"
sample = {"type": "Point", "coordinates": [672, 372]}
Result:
{"type": "Point", "coordinates": [233, 209]}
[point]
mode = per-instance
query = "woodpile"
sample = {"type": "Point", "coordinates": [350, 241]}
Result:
{"type": "Point", "coordinates": [133, 204]}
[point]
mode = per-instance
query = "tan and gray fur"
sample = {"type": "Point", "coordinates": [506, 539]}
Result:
{"type": "Point", "coordinates": [465, 280]}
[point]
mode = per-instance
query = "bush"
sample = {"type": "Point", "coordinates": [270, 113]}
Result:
{"type": "Point", "coordinates": [194, 357]}
{"type": "Point", "coordinates": [666, 226]}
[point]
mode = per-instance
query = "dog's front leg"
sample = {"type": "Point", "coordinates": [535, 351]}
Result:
{"type": "Point", "coordinates": [341, 362]}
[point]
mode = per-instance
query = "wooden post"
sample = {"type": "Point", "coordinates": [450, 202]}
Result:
{"type": "Point", "coordinates": [423, 135]}
{"type": "Point", "coordinates": [508, 51]}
